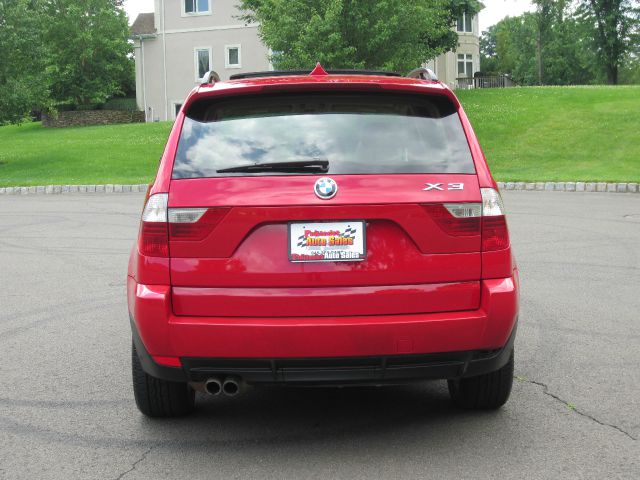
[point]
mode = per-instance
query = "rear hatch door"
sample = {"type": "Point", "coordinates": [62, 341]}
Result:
{"type": "Point", "coordinates": [390, 241]}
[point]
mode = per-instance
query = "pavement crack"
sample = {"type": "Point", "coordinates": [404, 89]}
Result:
{"type": "Point", "coordinates": [573, 408]}
{"type": "Point", "coordinates": [135, 464]}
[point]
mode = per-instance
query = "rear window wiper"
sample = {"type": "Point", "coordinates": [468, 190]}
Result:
{"type": "Point", "coordinates": [298, 166]}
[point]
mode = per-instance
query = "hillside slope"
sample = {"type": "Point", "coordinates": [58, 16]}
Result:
{"type": "Point", "coordinates": [127, 154]}
{"type": "Point", "coordinates": [528, 134]}
{"type": "Point", "coordinates": [558, 133]}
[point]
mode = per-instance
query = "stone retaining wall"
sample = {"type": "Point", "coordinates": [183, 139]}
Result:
{"type": "Point", "coordinates": [572, 186]}
{"type": "Point", "coordinates": [58, 189]}
{"type": "Point", "coordinates": [80, 118]}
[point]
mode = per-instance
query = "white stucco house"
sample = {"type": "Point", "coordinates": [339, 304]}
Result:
{"type": "Point", "coordinates": [182, 39]}
{"type": "Point", "coordinates": [464, 62]}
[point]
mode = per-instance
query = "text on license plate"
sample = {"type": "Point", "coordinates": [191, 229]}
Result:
{"type": "Point", "coordinates": [342, 241]}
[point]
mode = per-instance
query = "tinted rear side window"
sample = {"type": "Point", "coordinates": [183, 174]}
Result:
{"type": "Point", "coordinates": [355, 133]}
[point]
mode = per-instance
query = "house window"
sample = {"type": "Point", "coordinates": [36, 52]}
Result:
{"type": "Point", "coordinates": [465, 65]}
{"type": "Point", "coordinates": [464, 23]}
{"type": "Point", "coordinates": [232, 56]}
{"type": "Point", "coordinates": [202, 62]}
{"type": "Point", "coordinates": [176, 108]}
{"type": "Point", "coordinates": [196, 7]}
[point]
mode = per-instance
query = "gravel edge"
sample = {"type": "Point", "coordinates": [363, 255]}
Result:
{"type": "Point", "coordinates": [540, 186]}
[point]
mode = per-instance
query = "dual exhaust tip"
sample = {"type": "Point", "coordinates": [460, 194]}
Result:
{"type": "Point", "coordinates": [230, 386]}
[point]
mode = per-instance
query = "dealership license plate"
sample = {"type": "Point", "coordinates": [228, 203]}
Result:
{"type": "Point", "coordinates": [327, 241]}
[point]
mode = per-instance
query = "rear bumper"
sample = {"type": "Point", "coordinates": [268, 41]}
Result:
{"type": "Point", "coordinates": [333, 371]}
{"type": "Point", "coordinates": [325, 350]}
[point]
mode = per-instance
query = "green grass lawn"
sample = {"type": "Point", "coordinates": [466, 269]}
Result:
{"type": "Point", "coordinates": [558, 133]}
{"type": "Point", "coordinates": [126, 154]}
{"type": "Point", "coordinates": [528, 134]}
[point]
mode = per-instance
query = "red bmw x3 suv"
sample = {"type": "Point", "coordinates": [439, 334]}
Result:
{"type": "Point", "coordinates": [336, 228]}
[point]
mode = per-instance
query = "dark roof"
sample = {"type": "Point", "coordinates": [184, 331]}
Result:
{"type": "Point", "coordinates": [144, 25]}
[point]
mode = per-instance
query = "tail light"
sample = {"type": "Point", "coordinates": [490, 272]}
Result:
{"type": "Point", "coordinates": [457, 219]}
{"type": "Point", "coordinates": [154, 235]}
{"type": "Point", "coordinates": [160, 223]}
{"type": "Point", "coordinates": [495, 235]}
{"type": "Point", "coordinates": [194, 224]}
{"type": "Point", "coordinates": [470, 219]}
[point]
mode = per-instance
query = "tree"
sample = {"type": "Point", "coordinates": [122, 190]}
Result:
{"type": "Point", "coordinates": [615, 28]}
{"type": "Point", "coordinates": [386, 34]}
{"type": "Point", "coordinates": [568, 55]}
{"type": "Point", "coordinates": [557, 53]}
{"type": "Point", "coordinates": [23, 84]}
{"type": "Point", "coordinates": [88, 49]}
{"type": "Point", "coordinates": [545, 19]}
{"type": "Point", "coordinates": [516, 48]}
{"type": "Point", "coordinates": [65, 53]}
{"type": "Point", "coordinates": [564, 52]}
{"type": "Point", "coordinates": [489, 63]}
{"type": "Point", "coordinates": [630, 69]}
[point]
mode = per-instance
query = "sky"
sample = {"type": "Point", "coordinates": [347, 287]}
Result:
{"type": "Point", "coordinates": [494, 11]}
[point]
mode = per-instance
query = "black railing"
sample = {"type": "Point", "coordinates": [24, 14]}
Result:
{"type": "Point", "coordinates": [501, 81]}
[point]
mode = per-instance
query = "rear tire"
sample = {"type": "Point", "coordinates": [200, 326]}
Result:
{"type": "Point", "coordinates": [484, 392]}
{"type": "Point", "coordinates": [159, 398]}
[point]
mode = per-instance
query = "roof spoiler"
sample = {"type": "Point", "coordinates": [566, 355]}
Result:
{"type": "Point", "coordinates": [421, 73]}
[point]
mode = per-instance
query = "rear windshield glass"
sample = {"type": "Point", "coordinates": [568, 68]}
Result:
{"type": "Point", "coordinates": [322, 133]}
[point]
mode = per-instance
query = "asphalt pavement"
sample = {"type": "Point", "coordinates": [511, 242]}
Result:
{"type": "Point", "coordinates": [67, 409]}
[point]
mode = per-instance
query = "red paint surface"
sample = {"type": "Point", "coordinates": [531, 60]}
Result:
{"type": "Point", "coordinates": [167, 334]}
{"type": "Point", "coordinates": [325, 301]}
{"type": "Point", "coordinates": [234, 293]}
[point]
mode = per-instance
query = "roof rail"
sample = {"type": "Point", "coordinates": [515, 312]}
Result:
{"type": "Point", "coordinates": [423, 74]}
{"type": "Point", "coordinates": [285, 73]}
{"type": "Point", "coordinates": [210, 78]}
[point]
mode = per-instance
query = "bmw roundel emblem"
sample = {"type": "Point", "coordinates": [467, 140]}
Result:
{"type": "Point", "coordinates": [325, 188]}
